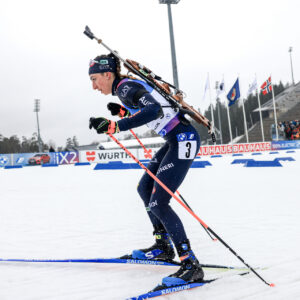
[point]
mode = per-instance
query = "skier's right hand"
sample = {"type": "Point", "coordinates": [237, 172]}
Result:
{"type": "Point", "coordinates": [117, 109]}
{"type": "Point", "coordinates": [103, 125]}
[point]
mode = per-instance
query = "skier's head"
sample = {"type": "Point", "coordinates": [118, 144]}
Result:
{"type": "Point", "coordinates": [103, 70]}
{"type": "Point", "coordinates": [103, 64]}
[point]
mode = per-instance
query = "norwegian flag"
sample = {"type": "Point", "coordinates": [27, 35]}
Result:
{"type": "Point", "coordinates": [266, 86]}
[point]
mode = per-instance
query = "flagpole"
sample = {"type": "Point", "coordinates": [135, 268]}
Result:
{"type": "Point", "coordinates": [260, 115]}
{"type": "Point", "coordinates": [219, 90]}
{"type": "Point", "coordinates": [244, 113]}
{"type": "Point", "coordinates": [274, 105]}
{"type": "Point", "coordinates": [211, 105]}
{"type": "Point", "coordinates": [228, 117]}
{"type": "Point", "coordinates": [245, 122]}
{"type": "Point", "coordinates": [229, 121]}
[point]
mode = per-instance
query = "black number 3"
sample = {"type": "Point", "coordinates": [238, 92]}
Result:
{"type": "Point", "coordinates": [188, 153]}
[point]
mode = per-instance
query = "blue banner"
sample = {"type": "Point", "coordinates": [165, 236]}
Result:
{"type": "Point", "coordinates": [5, 160]}
{"type": "Point", "coordinates": [278, 145]}
{"type": "Point", "coordinates": [33, 159]}
{"type": "Point", "coordinates": [38, 159]}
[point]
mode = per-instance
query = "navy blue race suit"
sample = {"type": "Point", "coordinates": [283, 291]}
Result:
{"type": "Point", "coordinates": [172, 162]}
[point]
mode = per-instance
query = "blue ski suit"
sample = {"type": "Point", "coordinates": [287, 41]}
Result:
{"type": "Point", "coordinates": [172, 162]}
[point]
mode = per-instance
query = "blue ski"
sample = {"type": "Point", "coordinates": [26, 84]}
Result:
{"type": "Point", "coordinates": [162, 290]}
{"type": "Point", "coordinates": [97, 260]}
{"type": "Point", "coordinates": [127, 259]}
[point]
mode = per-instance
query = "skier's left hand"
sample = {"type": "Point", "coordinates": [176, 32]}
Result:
{"type": "Point", "coordinates": [117, 109]}
{"type": "Point", "coordinates": [103, 125]}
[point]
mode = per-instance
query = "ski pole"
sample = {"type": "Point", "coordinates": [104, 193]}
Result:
{"type": "Point", "coordinates": [148, 152]}
{"type": "Point", "coordinates": [150, 156]}
{"type": "Point", "coordinates": [187, 208]}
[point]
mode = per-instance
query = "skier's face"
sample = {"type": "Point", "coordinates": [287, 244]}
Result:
{"type": "Point", "coordinates": [102, 82]}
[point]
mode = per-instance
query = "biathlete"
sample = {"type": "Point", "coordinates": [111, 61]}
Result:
{"type": "Point", "coordinates": [141, 105]}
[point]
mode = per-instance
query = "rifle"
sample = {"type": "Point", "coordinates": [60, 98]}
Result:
{"type": "Point", "coordinates": [171, 93]}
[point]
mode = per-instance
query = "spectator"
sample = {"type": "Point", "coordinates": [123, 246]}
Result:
{"type": "Point", "coordinates": [291, 129]}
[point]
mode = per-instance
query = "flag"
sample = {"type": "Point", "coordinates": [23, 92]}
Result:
{"type": "Point", "coordinates": [234, 93]}
{"type": "Point", "coordinates": [207, 87]}
{"type": "Point", "coordinates": [266, 87]}
{"type": "Point", "coordinates": [220, 88]}
{"type": "Point", "coordinates": [252, 87]}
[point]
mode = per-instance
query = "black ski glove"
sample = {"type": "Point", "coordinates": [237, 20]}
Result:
{"type": "Point", "coordinates": [103, 125]}
{"type": "Point", "coordinates": [117, 109]}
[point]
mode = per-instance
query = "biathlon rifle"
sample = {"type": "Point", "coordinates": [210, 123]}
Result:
{"type": "Point", "coordinates": [171, 93]}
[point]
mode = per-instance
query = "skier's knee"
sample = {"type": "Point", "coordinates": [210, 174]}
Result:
{"type": "Point", "coordinates": [155, 208]}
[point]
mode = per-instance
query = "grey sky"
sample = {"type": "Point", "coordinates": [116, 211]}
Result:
{"type": "Point", "coordinates": [45, 55]}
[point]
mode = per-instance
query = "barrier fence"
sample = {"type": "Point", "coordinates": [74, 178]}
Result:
{"type": "Point", "coordinates": [107, 156]}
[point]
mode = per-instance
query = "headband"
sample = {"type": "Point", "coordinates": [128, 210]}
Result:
{"type": "Point", "coordinates": [107, 64]}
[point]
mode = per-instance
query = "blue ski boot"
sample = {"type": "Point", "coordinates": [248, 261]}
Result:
{"type": "Point", "coordinates": [161, 250]}
{"type": "Point", "coordinates": [190, 270]}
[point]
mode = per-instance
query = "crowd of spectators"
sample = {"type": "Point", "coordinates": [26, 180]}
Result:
{"type": "Point", "coordinates": [291, 129]}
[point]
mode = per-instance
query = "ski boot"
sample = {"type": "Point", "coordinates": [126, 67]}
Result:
{"type": "Point", "coordinates": [190, 270]}
{"type": "Point", "coordinates": [161, 250]}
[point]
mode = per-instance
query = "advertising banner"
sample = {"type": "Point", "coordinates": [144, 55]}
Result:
{"type": "Point", "coordinates": [5, 160]}
{"type": "Point", "coordinates": [105, 156]}
{"type": "Point", "coordinates": [280, 145]}
{"type": "Point", "coordinates": [232, 149]}
{"type": "Point", "coordinates": [143, 155]}
{"type": "Point", "coordinates": [32, 159]}
{"type": "Point", "coordinates": [62, 158]}
{"type": "Point", "coordinates": [38, 159]}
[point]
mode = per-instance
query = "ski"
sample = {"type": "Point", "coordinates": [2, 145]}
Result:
{"type": "Point", "coordinates": [96, 260]}
{"type": "Point", "coordinates": [126, 259]}
{"type": "Point", "coordinates": [162, 290]}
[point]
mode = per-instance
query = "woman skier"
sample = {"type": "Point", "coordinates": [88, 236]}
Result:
{"type": "Point", "coordinates": [141, 105]}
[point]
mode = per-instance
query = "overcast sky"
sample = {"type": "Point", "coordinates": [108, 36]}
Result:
{"type": "Point", "coordinates": [44, 54]}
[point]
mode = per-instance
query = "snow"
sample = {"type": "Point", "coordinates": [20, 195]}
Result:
{"type": "Point", "coordinates": [77, 212]}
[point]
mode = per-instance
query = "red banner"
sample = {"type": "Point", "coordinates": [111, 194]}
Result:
{"type": "Point", "coordinates": [232, 149]}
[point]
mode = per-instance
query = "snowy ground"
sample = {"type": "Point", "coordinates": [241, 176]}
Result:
{"type": "Point", "coordinates": [76, 212]}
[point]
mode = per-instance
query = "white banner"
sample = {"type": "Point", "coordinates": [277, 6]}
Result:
{"type": "Point", "coordinates": [105, 156]}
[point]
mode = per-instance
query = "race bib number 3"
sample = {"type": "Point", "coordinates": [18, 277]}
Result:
{"type": "Point", "coordinates": [187, 149]}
